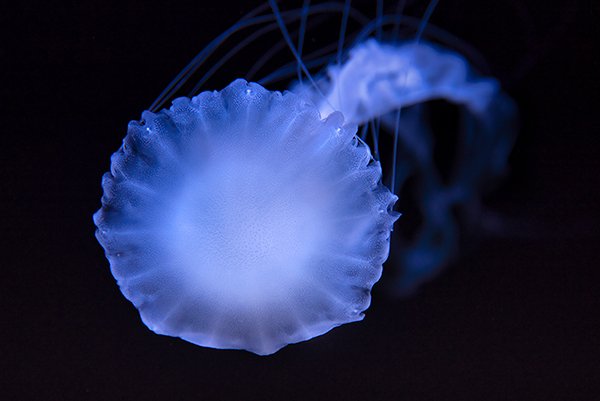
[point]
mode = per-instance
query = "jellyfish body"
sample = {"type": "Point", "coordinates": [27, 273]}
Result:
{"type": "Point", "coordinates": [250, 219]}
{"type": "Point", "coordinates": [241, 219]}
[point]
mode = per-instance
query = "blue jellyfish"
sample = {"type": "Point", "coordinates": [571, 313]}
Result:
{"type": "Point", "coordinates": [242, 219]}
{"type": "Point", "coordinates": [251, 219]}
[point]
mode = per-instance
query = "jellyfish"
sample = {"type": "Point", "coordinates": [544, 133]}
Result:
{"type": "Point", "coordinates": [242, 219]}
{"type": "Point", "coordinates": [251, 219]}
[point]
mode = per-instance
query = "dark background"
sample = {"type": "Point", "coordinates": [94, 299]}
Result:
{"type": "Point", "coordinates": [516, 318]}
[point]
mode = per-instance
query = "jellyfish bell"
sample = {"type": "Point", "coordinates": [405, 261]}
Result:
{"type": "Point", "coordinates": [241, 219]}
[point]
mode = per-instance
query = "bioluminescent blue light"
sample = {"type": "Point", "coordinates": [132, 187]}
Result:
{"type": "Point", "coordinates": [241, 219]}
{"type": "Point", "coordinates": [251, 219]}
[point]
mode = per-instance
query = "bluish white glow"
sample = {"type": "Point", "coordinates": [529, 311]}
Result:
{"type": "Point", "coordinates": [251, 219]}
{"type": "Point", "coordinates": [241, 219]}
